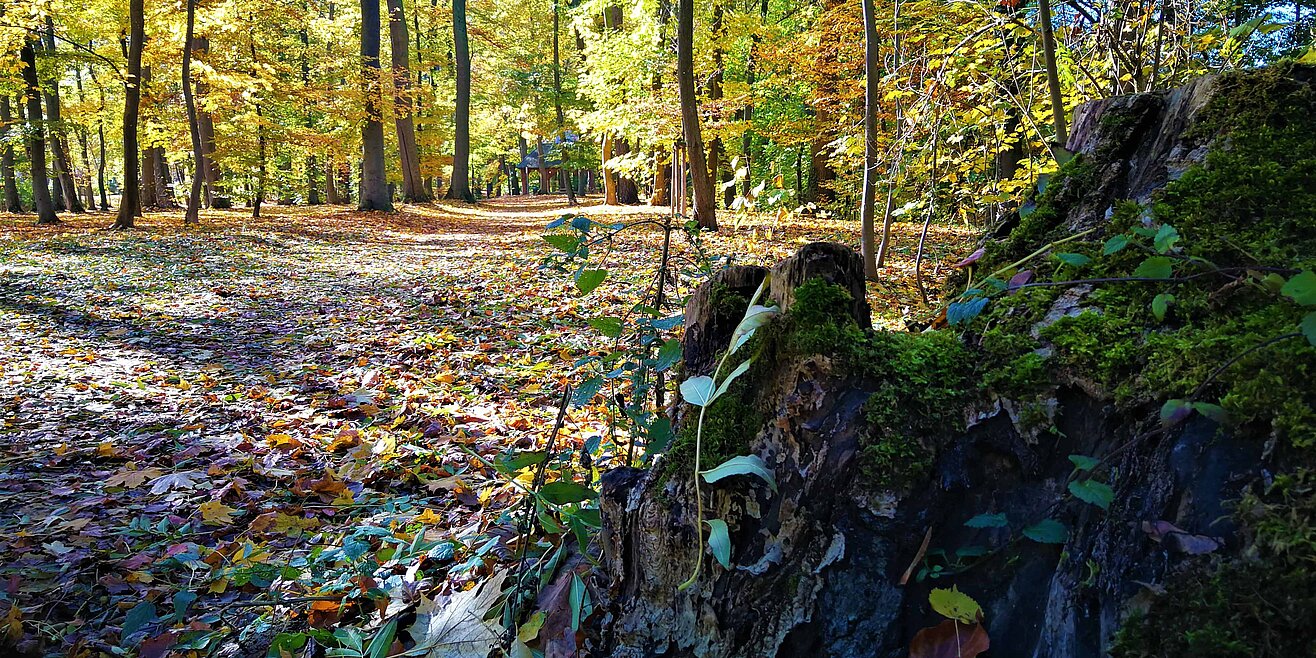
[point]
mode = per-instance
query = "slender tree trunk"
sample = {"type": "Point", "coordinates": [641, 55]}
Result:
{"type": "Point", "coordinates": [164, 193]}
{"type": "Point", "coordinates": [36, 142]}
{"type": "Point", "coordinates": [330, 185]}
{"type": "Point", "coordinates": [460, 188]}
{"type": "Point", "coordinates": [193, 214]}
{"type": "Point", "coordinates": [129, 202]}
{"type": "Point", "coordinates": [88, 196]}
{"type": "Point", "coordinates": [13, 202]}
{"type": "Point", "coordinates": [893, 175]}
{"type": "Point", "coordinates": [868, 211]}
{"type": "Point", "coordinates": [563, 171]}
{"type": "Point", "coordinates": [747, 114]}
{"type": "Point", "coordinates": [609, 176]}
{"type": "Point", "coordinates": [543, 168]}
{"type": "Point", "coordinates": [705, 204]}
{"type": "Point", "coordinates": [525, 171]}
{"type": "Point", "coordinates": [413, 186]}
{"type": "Point", "coordinates": [58, 142]}
{"type": "Point", "coordinates": [214, 195]}
{"type": "Point", "coordinates": [1052, 75]}
{"type": "Point", "coordinates": [716, 152]}
{"type": "Point", "coordinates": [258, 195]}
{"type": "Point", "coordinates": [374, 184]}
{"type": "Point", "coordinates": [661, 178]}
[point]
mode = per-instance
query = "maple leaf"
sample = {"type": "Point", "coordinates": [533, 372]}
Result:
{"type": "Point", "coordinates": [132, 479]}
{"type": "Point", "coordinates": [179, 480]}
{"type": "Point", "coordinates": [216, 513]}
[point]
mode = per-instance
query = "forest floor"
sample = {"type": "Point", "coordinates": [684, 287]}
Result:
{"type": "Point", "coordinates": [189, 417]}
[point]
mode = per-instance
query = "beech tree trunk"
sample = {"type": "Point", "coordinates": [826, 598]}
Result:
{"type": "Point", "coordinates": [413, 186]}
{"type": "Point", "coordinates": [58, 143]}
{"type": "Point", "coordinates": [460, 187]}
{"type": "Point", "coordinates": [525, 172]}
{"type": "Point", "coordinates": [13, 202]}
{"type": "Point", "coordinates": [705, 204]}
{"type": "Point", "coordinates": [330, 185]}
{"type": "Point", "coordinates": [214, 196]}
{"type": "Point", "coordinates": [193, 214]}
{"type": "Point", "coordinates": [868, 212]}
{"type": "Point", "coordinates": [129, 202]}
{"type": "Point", "coordinates": [36, 142]}
{"type": "Point", "coordinates": [374, 184]}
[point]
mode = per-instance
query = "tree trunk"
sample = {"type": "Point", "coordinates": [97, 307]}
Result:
{"type": "Point", "coordinates": [88, 195]}
{"type": "Point", "coordinates": [460, 188]}
{"type": "Point", "coordinates": [193, 214]}
{"type": "Point", "coordinates": [716, 153]}
{"type": "Point", "coordinates": [58, 142]}
{"type": "Point", "coordinates": [705, 205]}
{"type": "Point", "coordinates": [413, 186]}
{"type": "Point", "coordinates": [543, 168]}
{"type": "Point", "coordinates": [563, 172]}
{"type": "Point", "coordinates": [13, 202]}
{"type": "Point", "coordinates": [1052, 76]}
{"type": "Point", "coordinates": [129, 202]}
{"type": "Point", "coordinates": [609, 177]}
{"type": "Point", "coordinates": [36, 142]}
{"type": "Point", "coordinates": [330, 185]}
{"type": "Point", "coordinates": [525, 171]}
{"type": "Point", "coordinates": [662, 184]}
{"type": "Point", "coordinates": [628, 194]}
{"type": "Point", "coordinates": [374, 184]}
{"type": "Point", "coordinates": [214, 196]}
{"type": "Point", "coordinates": [164, 192]}
{"type": "Point", "coordinates": [868, 212]}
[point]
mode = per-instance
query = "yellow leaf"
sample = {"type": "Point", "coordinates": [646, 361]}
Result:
{"type": "Point", "coordinates": [428, 517]}
{"type": "Point", "coordinates": [955, 605]}
{"type": "Point", "coordinates": [216, 513]}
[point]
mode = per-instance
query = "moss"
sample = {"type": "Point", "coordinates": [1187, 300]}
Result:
{"type": "Point", "coordinates": [729, 425]}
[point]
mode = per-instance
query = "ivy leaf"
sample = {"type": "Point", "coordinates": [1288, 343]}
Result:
{"type": "Point", "coordinates": [1115, 245]}
{"type": "Point", "coordinates": [586, 391]}
{"type": "Point", "coordinates": [698, 390]}
{"type": "Point", "coordinates": [1166, 238]}
{"type": "Point", "coordinates": [988, 521]}
{"type": "Point", "coordinates": [588, 280]}
{"type": "Point", "coordinates": [742, 465]}
{"type": "Point", "coordinates": [1084, 462]}
{"type": "Point", "coordinates": [610, 327]}
{"type": "Point", "coordinates": [1073, 260]}
{"type": "Point", "coordinates": [964, 312]}
{"type": "Point", "coordinates": [719, 539]}
{"type": "Point", "coordinates": [565, 492]}
{"type": "Point", "coordinates": [1048, 531]}
{"type": "Point", "coordinates": [1093, 492]}
{"type": "Point", "coordinates": [563, 241]}
{"type": "Point", "coordinates": [954, 604]}
{"type": "Point", "coordinates": [1308, 326]}
{"type": "Point", "coordinates": [1155, 267]}
{"type": "Point", "coordinates": [1301, 288]}
{"type": "Point", "coordinates": [1160, 304]}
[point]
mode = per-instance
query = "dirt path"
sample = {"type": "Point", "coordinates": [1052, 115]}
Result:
{"type": "Point", "coordinates": [252, 407]}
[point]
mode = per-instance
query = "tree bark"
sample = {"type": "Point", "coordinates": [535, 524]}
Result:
{"type": "Point", "coordinates": [129, 202]}
{"type": "Point", "coordinates": [13, 202]}
{"type": "Point", "coordinates": [716, 153]}
{"type": "Point", "coordinates": [58, 143]}
{"type": "Point", "coordinates": [413, 186]}
{"type": "Point", "coordinates": [868, 239]}
{"type": "Point", "coordinates": [628, 194]}
{"type": "Point", "coordinates": [543, 168]}
{"type": "Point", "coordinates": [374, 184]}
{"type": "Point", "coordinates": [214, 196]}
{"type": "Point", "coordinates": [164, 192]}
{"type": "Point", "coordinates": [563, 172]}
{"type": "Point", "coordinates": [460, 188]}
{"type": "Point", "coordinates": [36, 143]}
{"type": "Point", "coordinates": [193, 214]}
{"type": "Point", "coordinates": [525, 172]}
{"type": "Point", "coordinates": [705, 214]}
{"type": "Point", "coordinates": [609, 177]}
{"type": "Point", "coordinates": [330, 185]}
{"type": "Point", "coordinates": [1052, 75]}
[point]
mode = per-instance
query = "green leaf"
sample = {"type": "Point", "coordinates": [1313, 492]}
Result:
{"type": "Point", "coordinates": [588, 280]}
{"type": "Point", "coordinates": [726, 383]}
{"type": "Point", "coordinates": [1092, 492]}
{"type": "Point", "coordinates": [1048, 531]}
{"type": "Point", "coordinates": [988, 521]}
{"type": "Point", "coordinates": [610, 327]}
{"type": "Point", "coordinates": [1174, 411]}
{"type": "Point", "coordinates": [586, 391]}
{"type": "Point", "coordinates": [1115, 245]}
{"type": "Point", "coordinates": [953, 604]}
{"type": "Point", "coordinates": [668, 354]}
{"type": "Point", "coordinates": [964, 312]}
{"type": "Point", "coordinates": [755, 317]}
{"type": "Point", "coordinates": [565, 492]}
{"type": "Point", "coordinates": [1160, 304]}
{"type": "Point", "coordinates": [383, 640]}
{"type": "Point", "coordinates": [141, 614]}
{"type": "Point", "coordinates": [1308, 327]}
{"type": "Point", "coordinates": [1301, 288]}
{"type": "Point", "coordinates": [513, 463]}
{"type": "Point", "coordinates": [742, 465]}
{"type": "Point", "coordinates": [286, 644]}
{"type": "Point", "coordinates": [563, 241]}
{"type": "Point", "coordinates": [1213, 411]}
{"type": "Point", "coordinates": [698, 390]}
{"type": "Point", "coordinates": [1084, 462]}
{"type": "Point", "coordinates": [1073, 260]}
{"type": "Point", "coordinates": [1166, 238]}
{"type": "Point", "coordinates": [720, 541]}
{"type": "Point", "coordinates": [1155, 267]}
{"type": "Point", "coordinates": [578, 599]}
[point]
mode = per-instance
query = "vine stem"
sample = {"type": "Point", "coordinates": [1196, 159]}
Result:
{"type": "Point", "coordinates": [1045, 248]}
{"type": "Point", "coordinates": [699, 505]}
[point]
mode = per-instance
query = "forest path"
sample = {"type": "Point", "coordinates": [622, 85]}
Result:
{"type": "Point", "coordinates": [195, 410]}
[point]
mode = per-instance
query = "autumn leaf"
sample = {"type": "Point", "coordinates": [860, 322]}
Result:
{"type": "Point", "coordinates": [950, 639]}
{"type": "Point", "coordinates": [216, 513]}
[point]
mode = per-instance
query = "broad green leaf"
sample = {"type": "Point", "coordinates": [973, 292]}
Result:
{"type": "Point", "coordinates": [1048, 531]}
{"type": "Point", "coordinates": [1213, 411]}
{"type": "Point", "coordinates": [964, 312]}
{"type": "Point", "coordinates": [139, 616]}
{"type": "Point", "coordinates": [755, 317]}
{"type": "Point", "coordinates": [586, 391]}
{"type": "Point", "coordinates": [564, 492]}
{"type": "Point", "coordinates": [742, 465]}
{"type": "Point", "coordinates": [668, 354]}
{"type": "Point", "coordinates": [1092, 492]}
{"type": "Point", "coordinates": [954, 604]}
{"type": "Point", "coordinates": [1115, 245]}
{"type": "Point", "coordinates": [719, 540]}
{"type": "Point", "coordinates": [588, 280]}
{"type": "Point", "coordinates": [513, 463]}
{"type": "Point", "coordinates": [578, 599]}
{"type": "Point", "coordinates": [1166, 238]}
{"type": "Point", "coordinates": [1301, 288]}
{"type": "Point", "coordinates": [1084, 462]}
{"type": "Point", "coordinates": [698, 390]}
{"type": "Point", "coordinates": [580, 223]}
{"type": "Point", "coordinates": [1308, 327]}
{"type": "Point", "coordinates": [563, 241]}
{"type": "Point", "coordinates": [1174, 411]}
{"type": "Point", "coordinates": [1160, 304]}
{"type": "Point", "coordinates": [1155, 267]}
{"type": "Point", "coordinates": [1073, 260]}
{"type": "Point", "coordinates": [726, 383]}
{"type": "Point", "coordinates": [610, 327]}
{"type": "Point", "coordinates": [988, 521]}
